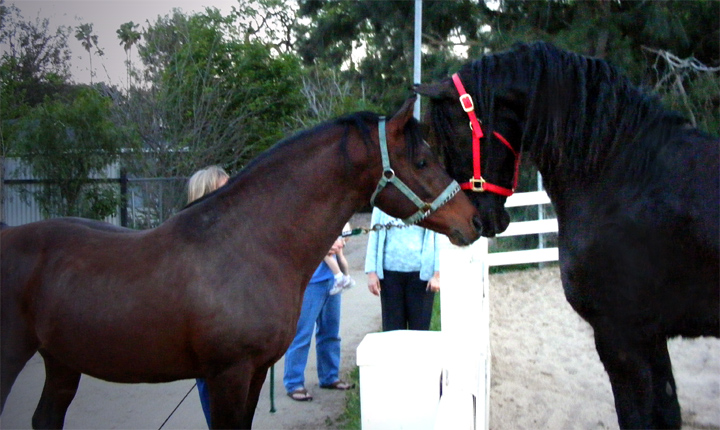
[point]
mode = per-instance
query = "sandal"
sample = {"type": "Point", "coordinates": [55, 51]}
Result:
{"type": "Point", "coordinates": [300, 395]}
{"type": "Point", "coordinates": [338, 385]}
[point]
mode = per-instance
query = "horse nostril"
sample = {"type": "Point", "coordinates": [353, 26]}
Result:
{"type": "Point", "coordinates": [477, 222]}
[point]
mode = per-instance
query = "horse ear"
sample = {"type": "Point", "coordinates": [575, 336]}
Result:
{"type": "Point", "coordinates": [440, 90]}
{"type": "Point", "coordinates": [398, 121]}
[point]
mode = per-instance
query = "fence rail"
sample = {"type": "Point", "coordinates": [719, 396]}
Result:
{"type": "Point", "coordinates": [519, 228]}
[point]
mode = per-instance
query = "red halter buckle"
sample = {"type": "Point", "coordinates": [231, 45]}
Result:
{"type": "Point", "coordinates": [477, 183]}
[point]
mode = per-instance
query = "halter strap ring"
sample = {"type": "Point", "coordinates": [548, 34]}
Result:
{"type": "Point", "coordinates": [389, 177]}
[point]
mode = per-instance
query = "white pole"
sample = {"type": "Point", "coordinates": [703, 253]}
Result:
{"type": "Point", "coordinates": [416, 53]}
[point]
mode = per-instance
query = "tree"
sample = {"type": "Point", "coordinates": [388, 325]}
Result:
{"type": "Point", "coordinates": [615, 30]}
{"type": "Point", "coordinates": [220, 99]}
{"type": "Point", "coordinates": [208, 97]}
{"type": "Point", "coordinates": [34, 65]}
{"type": "Point", "coordinates": [66, 143]}
{"type": "Point", "coordinates": [84, 33]}
{"type": "Point", "coordinates": [128, 35]}
{"type": "Point", "coordinates": [34, 62]}
{"type": "Point", "coordinates": [327, 96]}
{"type": "Point", "coordinates": [270, 22]}
{"type": "Point", "coordinates": [384, 31]}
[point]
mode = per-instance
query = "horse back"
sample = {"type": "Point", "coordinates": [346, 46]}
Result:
{"type": "Point", "coordinates": [32, 253]}
{"type": "Point", "coordinates": [694, 170]}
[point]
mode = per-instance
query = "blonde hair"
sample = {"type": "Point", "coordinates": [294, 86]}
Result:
{"type": "Point", "coordinates": [205, 181]}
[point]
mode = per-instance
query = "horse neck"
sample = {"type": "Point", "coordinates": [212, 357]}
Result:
{"type": "Point", "coordinates": [297, 196]}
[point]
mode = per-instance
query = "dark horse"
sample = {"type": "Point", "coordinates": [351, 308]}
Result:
{"type": "Point", "coordinates": [216, 290]}
{"type": "Point", "coordinates": [635, 189]}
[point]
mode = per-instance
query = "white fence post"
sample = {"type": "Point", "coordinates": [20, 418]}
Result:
{"type": "Point", "coordinates": [465, 319]}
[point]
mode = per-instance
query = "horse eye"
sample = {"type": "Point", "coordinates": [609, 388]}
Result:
{"type": "Point", "coordinates": [421, 164]}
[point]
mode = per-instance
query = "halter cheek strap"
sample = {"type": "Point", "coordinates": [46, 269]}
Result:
{"type": "Point", "coordinates": [388, 177]}
{"type": "Point", "coordinates": [477, 183]}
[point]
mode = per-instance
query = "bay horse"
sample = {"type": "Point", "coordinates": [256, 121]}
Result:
{"type": "Point", "coordinates": [216, 290]}
{"type": "Point", "coordinates": [635, 190]}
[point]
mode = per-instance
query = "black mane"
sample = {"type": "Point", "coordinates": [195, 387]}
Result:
{"type": "Point", "coordinates": [579, 110]}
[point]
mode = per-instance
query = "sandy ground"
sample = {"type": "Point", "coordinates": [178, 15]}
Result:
{"type": "Point", "coordinates": [545, 371]}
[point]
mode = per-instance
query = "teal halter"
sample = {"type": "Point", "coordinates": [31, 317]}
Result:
{"type": "Point", "coordinates": [388, 176]}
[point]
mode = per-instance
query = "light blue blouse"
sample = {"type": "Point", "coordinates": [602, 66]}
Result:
{"type": "Point", "coordinates": [407, 249]}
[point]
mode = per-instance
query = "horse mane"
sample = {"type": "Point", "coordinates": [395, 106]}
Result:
{"type": "Point", "coordinates": [580, 111]}
{"type": "Point", "coordinates": [360, 121]}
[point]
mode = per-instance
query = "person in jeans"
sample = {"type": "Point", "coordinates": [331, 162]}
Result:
{"type": "Point", "coordinates": [320, 313]}
{"type": "Point", "coordinates": [402, 265]}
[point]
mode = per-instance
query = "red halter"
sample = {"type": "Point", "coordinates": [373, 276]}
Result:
{"type": "Point", "coordinates": [477, 183]}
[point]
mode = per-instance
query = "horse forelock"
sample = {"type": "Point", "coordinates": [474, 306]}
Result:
{"type": "Point", "coordinates": [579, 110]}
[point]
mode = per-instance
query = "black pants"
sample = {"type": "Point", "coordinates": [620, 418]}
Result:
{"type": "Point", "coordinates": [406, 303]}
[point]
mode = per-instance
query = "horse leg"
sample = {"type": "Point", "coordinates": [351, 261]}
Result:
{"type": "Point", "coordinates": [640, 376]}
{"type": "Point", "coordinates": [256, 385]}
{"type": "Point", "coordinates": [666, 408]}
{"type": "Point", "coordinates": [61, 384]}
{"type": "Point", "coordinates": [19, 344]}
{"type": "Point", "coordinates": [229, 394]}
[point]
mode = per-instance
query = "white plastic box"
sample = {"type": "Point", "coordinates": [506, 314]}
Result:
{"type": "Point", "coordinates": [400, 375]}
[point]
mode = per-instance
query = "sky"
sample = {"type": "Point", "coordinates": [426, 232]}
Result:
{"type": "Point", "coordinates": [106, 17]}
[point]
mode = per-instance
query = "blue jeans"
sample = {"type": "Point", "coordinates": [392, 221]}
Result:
{"type": "Point", "coordinates": [204, 399]}
{"type": "Point", "coordinates": [320, 313]}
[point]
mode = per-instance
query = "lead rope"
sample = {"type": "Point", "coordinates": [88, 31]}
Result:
{"type": "Point", "coordinates": [376, 227]}
{"type": "Point", "coordinates": [176, 407]}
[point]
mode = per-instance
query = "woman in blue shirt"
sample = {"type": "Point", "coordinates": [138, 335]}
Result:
{"type": "Point", "coordinates": [402, 265]}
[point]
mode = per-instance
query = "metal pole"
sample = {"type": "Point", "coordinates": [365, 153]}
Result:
{"type": "Point", "coordinates": [272, 389]}
{"type": "Point", "coordinates": [416, 53]}
{"type": "Point", "coordinates": [123, 197]}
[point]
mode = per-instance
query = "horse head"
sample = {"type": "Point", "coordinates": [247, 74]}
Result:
{"type": "Point", "coordinates": [416, 188]}
{"type": "Point", "coordinates": [478, 133]}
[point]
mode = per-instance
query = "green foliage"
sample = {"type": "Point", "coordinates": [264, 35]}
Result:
{"type": "Point", "coordinates": [384, 31]}
{"type": "Point", "coordinates": [435, 323]}
{"type": "Point", "coordinates": [88, 40]}
{"type": "Point", "coordinates": [221, 99]}
{"type": "Point", "coordinates": [34, 65]}
{"type": "Point", "coordinates": [65, 143]}
{"type": "Point", "coordinates": [129, 36]}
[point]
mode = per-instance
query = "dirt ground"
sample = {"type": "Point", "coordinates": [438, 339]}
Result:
{"type": "Point", "coordinates": [547, 374]}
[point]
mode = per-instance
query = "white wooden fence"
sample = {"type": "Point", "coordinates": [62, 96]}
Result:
{"type": "Point", "coordinates": [460, 356]}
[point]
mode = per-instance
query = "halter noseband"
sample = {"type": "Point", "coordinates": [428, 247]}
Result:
{"type": "Point", "coordinates": [477, 183]}
{"type": "Point", "coordinates": [388, 176]}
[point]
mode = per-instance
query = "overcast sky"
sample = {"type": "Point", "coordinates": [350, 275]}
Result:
{"type": "Point", "coordinates": [106, 17]}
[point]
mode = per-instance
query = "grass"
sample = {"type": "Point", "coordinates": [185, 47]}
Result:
{"type": "Point", "coordinates": [350, 418]}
